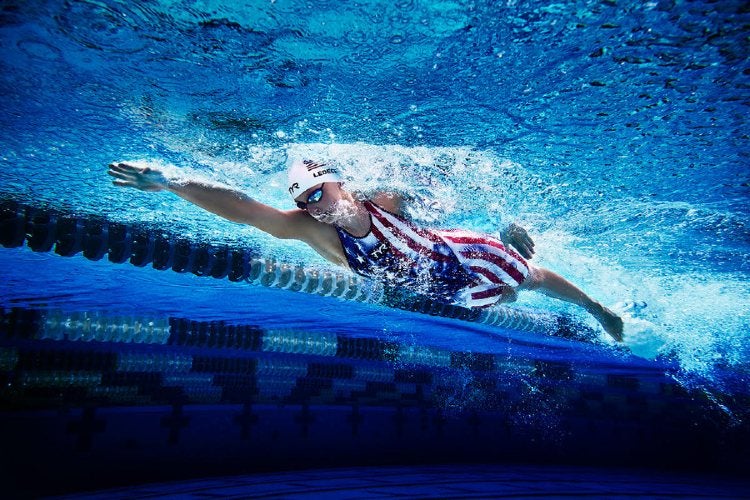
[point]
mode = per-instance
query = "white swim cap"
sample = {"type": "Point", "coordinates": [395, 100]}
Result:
{"type": "Point", "coordinates": [304, 174]}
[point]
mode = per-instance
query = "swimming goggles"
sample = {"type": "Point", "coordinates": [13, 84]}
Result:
{"type": "Point", "coordinates": [312, 198]}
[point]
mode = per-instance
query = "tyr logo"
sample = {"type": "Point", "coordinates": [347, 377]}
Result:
{"type": "Point", "coordinates": [293, 187]}
{"type": "Point", "coordinates": [381, 250]}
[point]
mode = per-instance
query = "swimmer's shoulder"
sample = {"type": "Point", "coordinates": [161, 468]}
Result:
{"type": "Point", "coordinates": [390, 201]}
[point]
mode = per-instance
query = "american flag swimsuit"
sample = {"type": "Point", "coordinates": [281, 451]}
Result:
{"type": "Point", "coordinates": [453, 266]}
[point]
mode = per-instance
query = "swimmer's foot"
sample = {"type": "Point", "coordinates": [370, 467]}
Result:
{"type": "Point", "coordinates": [610, 321]}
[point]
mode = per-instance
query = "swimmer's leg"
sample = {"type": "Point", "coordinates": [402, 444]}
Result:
{"type": "Point", "coordinates": [553, 285]}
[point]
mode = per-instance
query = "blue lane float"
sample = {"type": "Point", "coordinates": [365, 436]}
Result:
{"type": "Point", "coordinates": [67, 234]}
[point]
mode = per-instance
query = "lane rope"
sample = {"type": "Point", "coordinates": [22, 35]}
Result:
{"type": "Point", "coordinates": [66, 234]}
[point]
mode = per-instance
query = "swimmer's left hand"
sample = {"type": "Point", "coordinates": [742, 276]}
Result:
{"type": "Point", "coordinates": [519, 238]}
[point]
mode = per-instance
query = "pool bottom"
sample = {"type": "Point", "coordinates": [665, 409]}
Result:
{"type": "Point", "coordinates": [447, 482]}
{"type": "Point", "coordinates": [91, 401]}
{"type": "Point", "coordinates": [91, 449]}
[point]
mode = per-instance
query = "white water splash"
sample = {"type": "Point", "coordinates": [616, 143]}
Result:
{"type": "Point", "coordinates": [699, 320]}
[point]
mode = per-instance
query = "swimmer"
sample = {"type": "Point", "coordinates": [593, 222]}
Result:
{"type": "Point", "coordinates": [372, 237]}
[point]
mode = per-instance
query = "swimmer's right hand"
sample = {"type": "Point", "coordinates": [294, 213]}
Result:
{"type": "Point", "coordinates": [519, 238]}
{"type": "Point", "coordinates": [141, 177]}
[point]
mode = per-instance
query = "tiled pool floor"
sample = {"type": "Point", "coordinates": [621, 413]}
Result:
{"type": "Point", "coordinates": [462, 481]}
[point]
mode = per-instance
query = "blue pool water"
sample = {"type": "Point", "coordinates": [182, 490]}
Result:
{"type": "Point", "coordinates": [615, 131]}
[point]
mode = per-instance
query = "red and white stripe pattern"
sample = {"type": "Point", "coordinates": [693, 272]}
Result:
{"type": "Point", "coordinates": [311, 165]}
{"type": "Point", "coordinates": [496, 266]}
{"type": "Point", "coordinates": [407, 240]}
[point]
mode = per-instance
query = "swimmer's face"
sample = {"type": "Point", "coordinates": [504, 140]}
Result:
{"type": "Point", "coordinates": [326, 202]}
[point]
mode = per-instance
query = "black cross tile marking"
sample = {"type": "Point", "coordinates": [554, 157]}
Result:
{"type": "Point", "coordinates": [439, 420]}
{"type": "Point", "coordinates": [420, 393]}
{"type": "Point", "coordinates": [246, 420]}
{"type": "Point", "coordinates": [424, 419]}
{"type": "Point", "coordinates": [174, 423]}
{"type": "Point", "coordinates": [305, 418]}
{"type": "Point", "coordinates": [475, 422]}
{"type": "Point", "coordinates": [355, 419]}
{"type": "Point", "coordinates": [399, 420]}
{"type": "Point", "coordinates": [85, 428]}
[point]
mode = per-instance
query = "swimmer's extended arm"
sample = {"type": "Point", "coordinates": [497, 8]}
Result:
{"type": "Point", "coordinates": [221, 200]}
